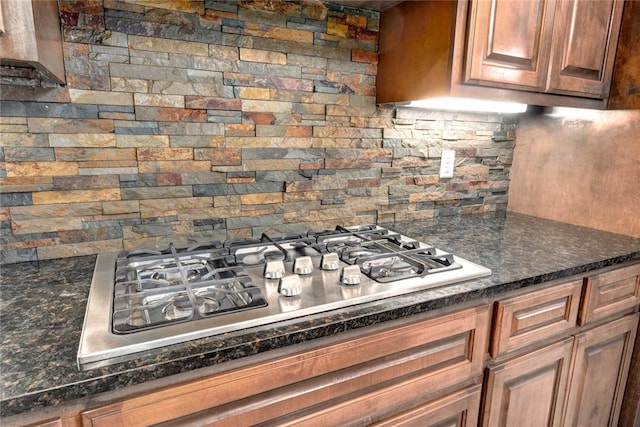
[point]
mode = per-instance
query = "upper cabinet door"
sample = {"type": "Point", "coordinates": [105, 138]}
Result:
{"type": "Point", "coordinates": [510, 43]}
{"type": "Point", "coordinates": [584, 47]}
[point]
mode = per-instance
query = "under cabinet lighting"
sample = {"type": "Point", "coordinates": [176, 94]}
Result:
{"type": "Point", "coordinates": [467, 104]}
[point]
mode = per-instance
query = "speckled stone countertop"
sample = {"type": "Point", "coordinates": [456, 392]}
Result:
{"type": "Point", "coordinates": [42, 306]}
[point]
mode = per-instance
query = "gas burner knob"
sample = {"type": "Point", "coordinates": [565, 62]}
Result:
{"type": "Point", "coordinates": [303, 265]}
{"type": "Point", "coordinates": [350, 275]}
{"type": "Point", "coordinates": [289, 286]}
{"type": "Point", "coordinates": [330, 261]}
{"type": "Point", "coordinates": [274, 269]}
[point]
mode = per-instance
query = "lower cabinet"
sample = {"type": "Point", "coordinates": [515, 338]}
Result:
{"type": "Point", "coordinates": [529, 390]}
{"type": "Point", "coordinates": [555, 367]}
{"type": "Point", "coordinates": [576, 382]}
{"type": "Point", "coordinates": [399, 372]}
{"type": "Point", "coordinates": [599, 373]}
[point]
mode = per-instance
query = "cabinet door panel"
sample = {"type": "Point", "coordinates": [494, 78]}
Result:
{"type": "Point", "coordinates": [599, 373]}
{"type": "Point", "coordinates": [509, 43]}
{"type": "Point", "coordinates": [529, 390]}
{"type": "Point", "coordinates": [584, 47]}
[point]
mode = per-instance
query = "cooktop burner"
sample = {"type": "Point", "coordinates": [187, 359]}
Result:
{"type": "Point", "coordinates": [147, 299]}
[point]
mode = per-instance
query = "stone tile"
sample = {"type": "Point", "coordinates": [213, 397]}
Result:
{"type": "Point", "coordinates": [58, 125]}
{"type": "Point", "coordinates": [75, 196]}
{"type": "Point", "coordinates": [263, 142]}
{"type": "Point", "coordinates": [142, 193]}
{"type": "Point", "coordinates": [262, 56]}
{"type": "Point", "coordinates": [85, 182]}
{"type": "Point", "coordinates": [133, 85]}
{"type": "Point", "coordinates": [16, 199]}
{"type": "Point", "coordinates": [47, 109]}
{"type": "Point", "coordinates": [24, 213]}
{"type": "Point", "coordinates": [284, 131]}
{"type": "Point", "coordinates": [89, 171]}
{"type": "Point", "coordinates": [174, 166]}
{"type": "Point", "coordinates": [141, 141]}
{"type": "Point", "coordinates": [196, 141]}
{"type": "Point", "coordinates": [164, 45]}
{"type": "Point", "coordinates": [219, 156]}
{"type": "Point", "coordinates": [19, 154]}
{"type": "Point", "coordinates": [80, 96]}
{"type": "Point", "coordinates": [42, 169]}
{"type": "Point", "coordinates": [259, 118]}
{"type": "Point", "coordinates": [212, 103]}
{"type": "Point", "coordinates": [82, 140]}
{"type": "Point", "coordinates": [158, 100]}
{"type": "Point", "coordinates": [198, 129]}
{"type": "Point", "coordinates": [261, 199]}
{"type": "Point", "coordinates": [45, 225]}
{"type": "Point", "coordinates": [86, 154]}
{"type": "Point", "coordinates": [272, 164]}
{"type": "Point", "coordinates": [151, 154]}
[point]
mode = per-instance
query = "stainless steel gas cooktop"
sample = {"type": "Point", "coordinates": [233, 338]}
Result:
{"type": "Point", "coordinates": [141, 300]}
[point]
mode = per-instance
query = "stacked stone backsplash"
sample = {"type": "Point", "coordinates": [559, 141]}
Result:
{"type": "Point", "coordinates": [196, 120]}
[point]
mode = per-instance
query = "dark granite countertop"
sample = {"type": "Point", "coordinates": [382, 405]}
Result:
{"type": "Point", "coordinates": [42, 306]}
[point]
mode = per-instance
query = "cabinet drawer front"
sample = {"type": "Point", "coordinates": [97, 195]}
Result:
{"type": "Point", "coordinates": [459, 409]}
{"type": "Point", "coordinates": [609, 293]}
{"type": "Point", "coordinates": [445, 350]}
{"type": "Point", "coordinates": [524, 319]}
{"type": "Point", "coordinates": [529, 390]}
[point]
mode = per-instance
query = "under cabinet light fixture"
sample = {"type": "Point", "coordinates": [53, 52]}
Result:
{"type": "Point", "coordinates": [468, 104]}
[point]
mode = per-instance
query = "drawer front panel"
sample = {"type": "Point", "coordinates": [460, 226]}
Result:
{"type": "Point", "coordinates": [443, 351]}
{"type": "Point", "coordinates": [525, 319]}
{"type": "Point", "coordinates": [609, 293]}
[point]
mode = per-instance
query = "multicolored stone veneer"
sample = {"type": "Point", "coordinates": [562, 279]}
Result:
{"type": "Point", "coordinates": [196, 120]}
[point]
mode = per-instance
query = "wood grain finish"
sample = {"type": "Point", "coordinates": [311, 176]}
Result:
{"type": "Point", "coordinates": [32, 37]}
{"type": "Point", "coordinates": [426, 356]}
{"type": "Point", "coordinates": [625, 87]}
{"type": "Point", "coordinates": [630, 412]}
{"type": "Point", "coordinates": [510, 43]}
{"type": "Point", "coordinates": [584, 47]}
{"type": "Point", "coordinates": [600, 367]}
{"type": "Point", "coordinates": [529, 390]}
{"type": "Point", "coordinates": [431, 49]}
{"type": "Point", "coordinates": [458, 409]}
{"type": "Point", "coordinates": [608, 293]}
{"type": "Point", "coordinates": [415, 50]}
{"type": "Point", "coordinates": [525, 319]}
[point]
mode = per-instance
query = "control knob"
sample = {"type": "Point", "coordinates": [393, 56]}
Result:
{"type": "Point", "coordinates": [274, 269]}
{"type": "Point", "coordinates": [303, 265]}
{"type": "Point", "coordinates": [350, 275]}
{"type": "Point", "coordinates": [289, 286]}
{"type": "Point", "coordinates": [330, 261]}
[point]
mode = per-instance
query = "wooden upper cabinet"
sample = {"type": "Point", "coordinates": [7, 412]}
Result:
{"type": "Point", "coordinates": [561, 47]}
{"type": "Point", "coordinates": [539, 52]}
{"type": "Point", "coordinates": [584, 47]}
{"type": "Point", "coordinates": [30, 37]}
{"type": "Point", "coordinates": [510, 43]}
